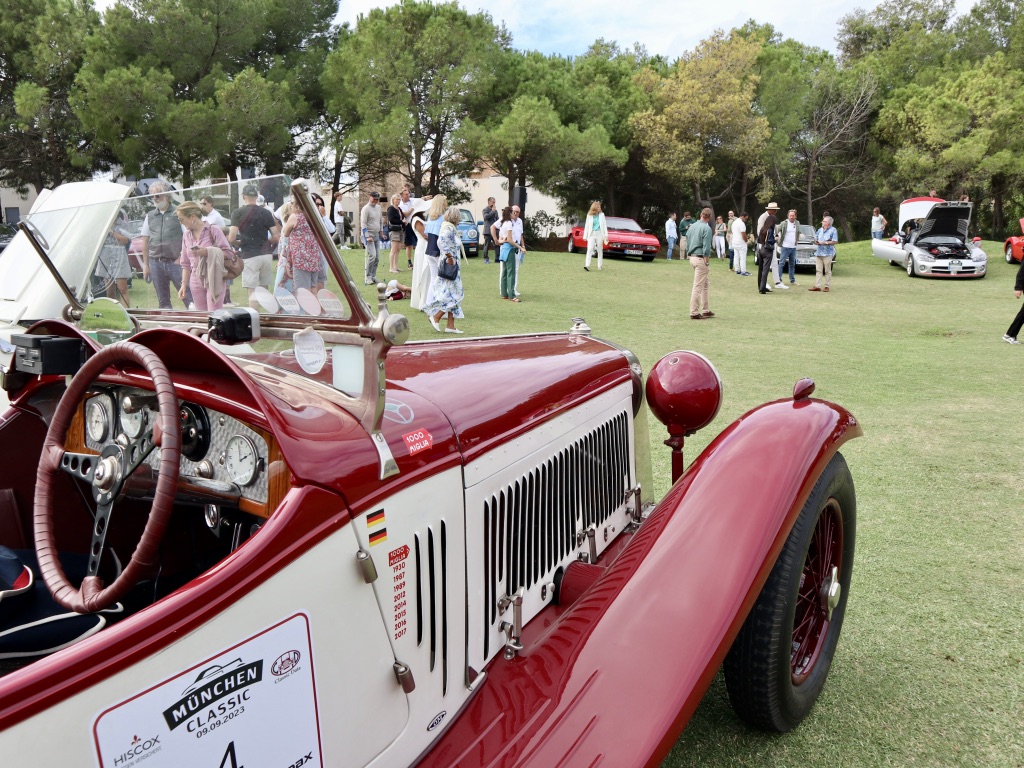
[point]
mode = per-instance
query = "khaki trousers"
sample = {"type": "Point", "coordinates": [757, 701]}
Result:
{"type": "Point", "coordinates": [822, 264]}
{"type": "Point", "coordinates": [699, 296]}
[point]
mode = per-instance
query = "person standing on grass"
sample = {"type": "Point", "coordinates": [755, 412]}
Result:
{"type": "Point", "coordinates": [1010, 337]}
{"type": "Point", "coordinates": [728, 238]}
{"type": "Point", "coordinates": [825, 238]}
{"type": "Point", "coordinates": [789, 231]}
{"type": "Point", "coordinates": [698, 248]}
{"type": "Point", "coordinates": [671, 235]}
{"type": "Point", "coordinates": [878, 224]}
{"type": "Point", "coordinates": [738, 233]}
{"type": "Point", "coordinates": [766, 249]}
{"type": "Point", "coordinates": [682, 227]}
{"type": "Point", "coordinates": [490, 216]}
{"type": "Point", "coordinates": [507, 256]}
{"type": "Point", "coordinates": [719, 238]}
{"type": "Point", "coordinates": [595, 232]}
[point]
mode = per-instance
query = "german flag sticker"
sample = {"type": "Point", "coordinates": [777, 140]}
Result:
{"type": "Point", "coordinates": [375, 518]}
{"type": "Point", "coordinates": [378, 537]}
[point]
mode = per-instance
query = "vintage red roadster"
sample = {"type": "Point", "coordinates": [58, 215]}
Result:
{"type": "Point", "coordinates": [283, 536]}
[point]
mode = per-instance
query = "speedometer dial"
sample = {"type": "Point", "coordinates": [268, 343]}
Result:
{"type": "Point", "coordinates": [133, 423]}
{"type": "Point", "coordinates": [99, 413]}
{"type": "Point", "coordinates": [241, 460]}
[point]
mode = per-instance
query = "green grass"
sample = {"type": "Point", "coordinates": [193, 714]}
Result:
{"type": "Point", "coordinates": [930, 667]}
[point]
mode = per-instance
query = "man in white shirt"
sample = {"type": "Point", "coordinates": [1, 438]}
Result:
{"type": "Point", "coordinates": [211, 215]}
{"type": "Point", "coordinates": [671, 235]}
{"type": "Point", "coordinates": [738, 234]}
{"type": "Point", "coordinates": [788, 231]}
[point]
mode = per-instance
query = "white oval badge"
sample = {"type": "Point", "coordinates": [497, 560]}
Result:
{"type": "Point", "coordinates": [310, 350]}
{"type": "Point", "coordinates": [330, 303]}
{"type": "Point", "coordinates": [266, 300]}
{"type": "Point", "coordinates": [308, 302]}
{"type": "Point", "coordinates": [287, 301]}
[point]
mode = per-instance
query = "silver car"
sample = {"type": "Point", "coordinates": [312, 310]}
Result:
{"type": "Point", "coordinates": [933, 242]}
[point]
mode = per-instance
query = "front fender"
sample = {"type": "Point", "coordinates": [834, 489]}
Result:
{"type": "Point", "coordinates": [616, 678]}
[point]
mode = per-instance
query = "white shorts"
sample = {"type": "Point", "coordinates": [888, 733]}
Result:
{"type": "Point", "coordinates": [258, 270]}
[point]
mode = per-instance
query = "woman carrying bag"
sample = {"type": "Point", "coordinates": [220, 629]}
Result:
{"type": "Point", "coordinates": [446, 290]}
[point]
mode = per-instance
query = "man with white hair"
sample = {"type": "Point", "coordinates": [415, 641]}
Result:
{"type": "Point", "coordinates": [161, 246]}
{"type": "Point", "coordinates": [825, 238]}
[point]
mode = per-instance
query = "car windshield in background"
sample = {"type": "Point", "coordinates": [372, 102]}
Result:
{"type": "Point", "coordinates": [622, 225]}
{"type": "Point", "coordinates": [806, 230]}
{"type": "Point", "coordinates": [465, 217]}
{"type": "Point", "coordinates": [78, 235]}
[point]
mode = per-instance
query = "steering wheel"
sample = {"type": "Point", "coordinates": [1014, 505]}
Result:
{"type": "Point", "coordinates": [107, 474]}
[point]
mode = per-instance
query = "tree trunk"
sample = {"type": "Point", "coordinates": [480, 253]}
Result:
{"type": "Point", "coordinates": [998, 217]}
{"type": "Point", "coordinates": [743, 189]}
{"type": "Point", "coordinates": [844, 222]}
{"type": "Point", "coordinates": [335, 181]}
{"type": "Point", "coordinates": [810, 197]}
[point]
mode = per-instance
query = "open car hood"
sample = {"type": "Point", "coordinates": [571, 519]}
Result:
{"type": "Point", "coordinates": [73, 219]}
{"type": "Point", "coordinates": [947, 218]}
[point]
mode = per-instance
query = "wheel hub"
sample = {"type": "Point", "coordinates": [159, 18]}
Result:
{"type": "Point", "coordinates": [831, 591]}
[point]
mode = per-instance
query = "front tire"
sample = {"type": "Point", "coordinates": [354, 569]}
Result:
{"type": "Point", "coordinates": [1009, 254]}
{"type": "Point", "coordinates": [572, 245]}
{"type": "Point", "coordinates": [910, 267]}
{"type": "Point", "coordinates": [780, 660]}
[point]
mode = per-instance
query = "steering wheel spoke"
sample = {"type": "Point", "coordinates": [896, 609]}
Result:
{"type": "Point", "coordinates": [79, 465]}
{"type": "Point", "coordinates": [101, 524]}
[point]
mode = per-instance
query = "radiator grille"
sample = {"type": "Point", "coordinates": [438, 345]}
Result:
{"type": "Point", "coordinates": [430, 560]}
{"type": "Point", "coordinates": [530, 525]}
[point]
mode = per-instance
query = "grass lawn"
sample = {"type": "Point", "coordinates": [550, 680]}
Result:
{"type": "Point", "coordinates": [930, 666]}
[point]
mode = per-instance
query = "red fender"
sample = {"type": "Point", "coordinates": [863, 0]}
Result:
{"type": "Point", "coordinates": [616, 678]}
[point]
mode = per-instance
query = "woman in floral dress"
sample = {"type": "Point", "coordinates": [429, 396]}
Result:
{"type": "Point", "coordinates": [303, 255]}
{"type": "Point", "coordinates": [447, 295]}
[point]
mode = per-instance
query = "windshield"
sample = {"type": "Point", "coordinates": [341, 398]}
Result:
{"type": "Point", "coordinates": [89, 231]}
{"type": "Point", "coordinates": [622, 225]}
{"type": "Point", "coordinates": [465, 217]}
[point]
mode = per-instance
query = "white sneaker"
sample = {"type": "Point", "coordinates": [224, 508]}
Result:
{"type": "Point", "coordinates": [1010, 339]}
{"type": "Point", "coordinates": [783, 286]}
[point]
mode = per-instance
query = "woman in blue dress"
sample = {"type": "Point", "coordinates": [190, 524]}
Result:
{"type": "Point", "coordinates": [446, 295]}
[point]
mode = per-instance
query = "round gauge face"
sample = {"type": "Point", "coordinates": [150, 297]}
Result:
{"type": "Point", "coordinates": [98, 416]}
{"type": "Point", "coordinates": [241, 460]}
{"type": "Point", "coordinates": [133, 423]}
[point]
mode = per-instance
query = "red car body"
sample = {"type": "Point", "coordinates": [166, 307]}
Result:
{"type": "Point", "coordinates": [625, 237]}
{"type": "Point", "coordinates": [1013, 248]}
{"type": "Point", "coordinates": [480, 581]}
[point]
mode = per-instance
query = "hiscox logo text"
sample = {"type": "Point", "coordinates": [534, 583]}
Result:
{"type": "Point", "coordinates": [138, 749]}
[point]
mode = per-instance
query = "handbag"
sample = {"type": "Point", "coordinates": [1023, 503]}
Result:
{"type": "Point", "coordinates": [448, 268]}
{"type": "Point", "coordinates": [233, 265]}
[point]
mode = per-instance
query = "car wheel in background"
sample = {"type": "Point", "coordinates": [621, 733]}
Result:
{"type": "Point", "coordinates": [780, 660]}
{"type": "Point", "coordinates": [648, 256]}
{"type": "Point", "coordinates": [572, 245]}
{"type": "Point", "coordinates": [910, 267]}
{"type": "Point", "coordinates": [1009, 254]}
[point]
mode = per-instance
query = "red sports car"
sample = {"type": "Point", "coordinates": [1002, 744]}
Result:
{"type": "Point", "coordinates": [625, 236]}
{"type": "Point", "coordinates": [1013, 249]}
{"type": "Point", "coordinates": [283, 536]}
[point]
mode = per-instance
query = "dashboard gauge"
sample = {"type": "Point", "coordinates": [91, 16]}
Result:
{"type": "Point", "coordinates": [99, 415]}
{"type": "Point", "coordinates": [241, 460]}
{"type": "Point", "coordinates": [195, 432]}
{"type": "Point", "coordinates": [133, 423]}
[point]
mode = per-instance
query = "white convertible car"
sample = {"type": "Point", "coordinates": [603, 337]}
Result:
{"type": "Point", "coordinates": [932, 240]}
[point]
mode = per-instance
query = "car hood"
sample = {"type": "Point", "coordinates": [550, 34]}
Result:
{"type": "Point", "coordinates": [937, 217]}
{"type": "Point", "coordinates": [73, 219]}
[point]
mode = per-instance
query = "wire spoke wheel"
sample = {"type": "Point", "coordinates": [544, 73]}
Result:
{"type": "Point", "coordinates": [779, 662]}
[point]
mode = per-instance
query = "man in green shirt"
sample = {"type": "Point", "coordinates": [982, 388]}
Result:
{"type": "Point", "coordinates": [698, 248]}
{"type": "Point", "coordinates": [684, 224]}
